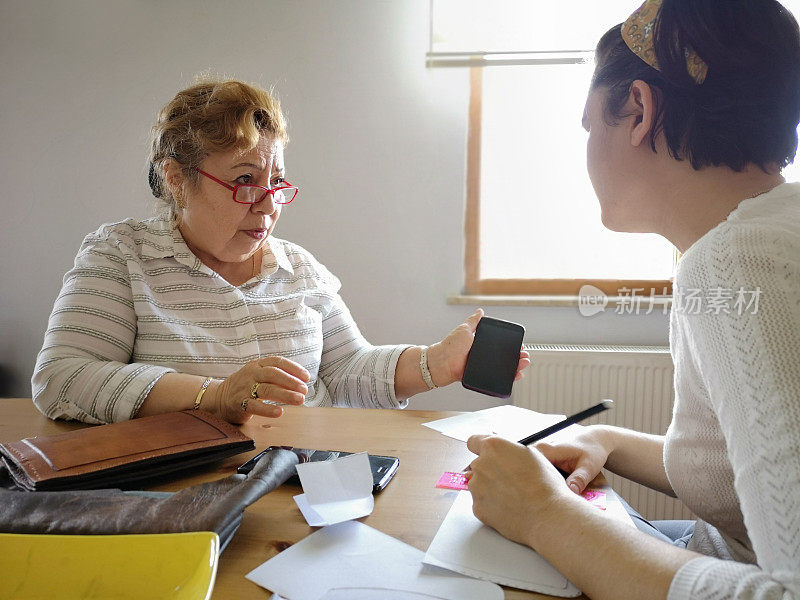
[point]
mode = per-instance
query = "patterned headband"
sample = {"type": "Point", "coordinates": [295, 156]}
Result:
{"type": "Point", "coordinates": [637, 33]}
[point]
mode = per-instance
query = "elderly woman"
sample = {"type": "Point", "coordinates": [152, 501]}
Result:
{"type": "Point", "coordinates": [203, 307]}
{"type": "Point", "coordinates": [691, 115]}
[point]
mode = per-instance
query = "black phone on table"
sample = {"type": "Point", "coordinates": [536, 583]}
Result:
{"type": "Point", "coordinates": [383, 467]}
{"type": "Point", "coordinates": [492, 361]}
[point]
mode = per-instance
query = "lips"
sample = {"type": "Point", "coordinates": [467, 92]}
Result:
{"type": "Point", "coordinates": [256, 234]}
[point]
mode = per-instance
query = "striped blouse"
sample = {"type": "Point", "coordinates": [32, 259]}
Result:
{"type": "Point", "coordinates": [138, 304]}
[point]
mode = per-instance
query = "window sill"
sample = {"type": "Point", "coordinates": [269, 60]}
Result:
{"type": "Point", "coordinates": [628, 303]}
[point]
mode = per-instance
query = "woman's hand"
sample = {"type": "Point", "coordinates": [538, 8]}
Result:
{"type": "Point", "coordinates": [447, 359]}
{"type": "Point", "coordinates": [582, 457]}
{"type": "Point", "coordinates": [512, 486]}
{"type": "Point", "coordinates": [272, 378]}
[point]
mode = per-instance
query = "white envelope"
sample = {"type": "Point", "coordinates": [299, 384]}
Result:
{"type": "Point", "coordinates": [367, 594]}
{"type": "Point", "coordinates": [507, 421]}
{"type": "Point", "coordinates": [352, 561]}
{"type": "Point", "coordinates": [335, 490]}
{"type": "Point", "coordinates": [465, 545]}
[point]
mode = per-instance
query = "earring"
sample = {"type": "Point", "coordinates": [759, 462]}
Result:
{"type": "Point", "coordinates": [179, 200]}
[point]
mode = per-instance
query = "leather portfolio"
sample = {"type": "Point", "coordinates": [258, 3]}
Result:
{"type": "Point", "coordinates": [120, 454]}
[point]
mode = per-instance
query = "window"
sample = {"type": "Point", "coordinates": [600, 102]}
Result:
{"type": "Point", "coordinates": [532, 219]}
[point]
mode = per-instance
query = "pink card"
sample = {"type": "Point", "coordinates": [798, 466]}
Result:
{"type": "Point", "coordinates": [457, 481]}
{"type": "Point", "coordinates": [452, 481]}
{"type": "Point", "coordinates": [595, 498]}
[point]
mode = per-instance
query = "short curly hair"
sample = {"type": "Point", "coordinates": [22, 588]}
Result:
{"type": "Point", "coordinates": [747, 109]}
{"type": "Point", "coordinates": [213, 115]}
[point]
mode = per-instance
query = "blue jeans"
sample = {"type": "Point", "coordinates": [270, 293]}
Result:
{"type": "Point", "coordinates": [676, 533]}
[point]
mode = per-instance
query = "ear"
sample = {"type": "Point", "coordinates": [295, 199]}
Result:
{"type": "Point", "coordinates": [173, 177]}
{"type": "Point", "coordinates": [641, 105]}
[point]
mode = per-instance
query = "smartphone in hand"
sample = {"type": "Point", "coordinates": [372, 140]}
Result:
{"type": "Point", "coordinates": [492, 361]}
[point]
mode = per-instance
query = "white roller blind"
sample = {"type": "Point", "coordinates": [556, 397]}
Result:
{"type": "Point", "coordinates": [466, 32]}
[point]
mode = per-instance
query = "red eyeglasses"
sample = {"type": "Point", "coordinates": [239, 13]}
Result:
{"type": "Point", "coordinates": [247, 193]}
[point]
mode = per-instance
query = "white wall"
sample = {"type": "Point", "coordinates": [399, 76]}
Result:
{"type": "Point", "coordinates": [378, 148]}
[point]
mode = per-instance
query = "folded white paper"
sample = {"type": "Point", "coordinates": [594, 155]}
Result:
{"type": "Point", "coordinates": [507, 421]}
{"type": "Point", "coordinates": [349, 593]}
{"type": "Point", "coordinates": [465, 545]}
{"type": "Point", "coordinates": [375, 594]}
{"type": "Point", "coordinates": [352, 561]}
{"type": "Point", "coordinates": [335, 490]}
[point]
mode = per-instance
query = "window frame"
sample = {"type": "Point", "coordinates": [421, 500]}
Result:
{"type": "Point", "coordinates": [473, 283]}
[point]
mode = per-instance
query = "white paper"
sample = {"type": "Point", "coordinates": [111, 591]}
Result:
{"type": "Point", "coordinates": [353, 561]}
{"type": "Point", "coordinates": [465, 545]}
{"type": "Point", "coordinates": [507, 421]}
{"type": "Point", "coordinates": [614, 509]}
{"type": "Point", "coordinates": [373, 594]}
{"type": "Point", "coordinates": [335, 490]}
{"type": "Point", "coordinates": [311, 516]}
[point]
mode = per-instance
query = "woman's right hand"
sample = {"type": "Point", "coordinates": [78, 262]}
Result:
{"type": "Point", "coordinates": [583, 456]}
{"type": "Point", "coordinates": [273, 378]}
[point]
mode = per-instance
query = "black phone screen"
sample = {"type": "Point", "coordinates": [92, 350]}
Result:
{"type": "Point", "coordinates": [492, 361]}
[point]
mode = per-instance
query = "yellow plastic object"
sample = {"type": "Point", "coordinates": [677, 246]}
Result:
{"type": "Point", "coordinates": [167, 565]}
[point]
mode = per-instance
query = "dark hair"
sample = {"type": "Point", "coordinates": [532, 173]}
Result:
{"type": "Point", "coordinates": [748, 107]}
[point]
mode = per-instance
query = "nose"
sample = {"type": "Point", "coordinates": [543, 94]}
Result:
{"type": "Point", "coordinates": [266, 206]}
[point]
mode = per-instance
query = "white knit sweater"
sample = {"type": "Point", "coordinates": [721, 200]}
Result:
{"type": "Point", "coordinates": [732, 452]}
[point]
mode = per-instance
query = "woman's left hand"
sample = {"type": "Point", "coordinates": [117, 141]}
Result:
{"type": "Point", "coordinates": [512, 486]}
{"type": "Point", "coordinates": [447, 359]}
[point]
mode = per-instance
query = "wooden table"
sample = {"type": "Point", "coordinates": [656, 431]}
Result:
{"type": "Point", "coordinates": [410, 509]}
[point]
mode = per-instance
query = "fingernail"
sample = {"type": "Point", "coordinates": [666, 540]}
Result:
{"type": "Point", "coordinates": [574, 487]}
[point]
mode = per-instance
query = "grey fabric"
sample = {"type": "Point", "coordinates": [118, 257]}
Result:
{"type": "Point", "coordinates": [215, 506]}
{"type": "Point", "coordinates": [675, 532]}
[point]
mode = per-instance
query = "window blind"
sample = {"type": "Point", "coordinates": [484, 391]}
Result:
{"type": "Point", "coordinates": [466, 33]}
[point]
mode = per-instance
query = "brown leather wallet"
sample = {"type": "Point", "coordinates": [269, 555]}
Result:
{"type": "Point", "coordinates": [119, 454]}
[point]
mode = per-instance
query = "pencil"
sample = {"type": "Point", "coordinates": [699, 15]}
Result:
{"type": "Point", "coordinates": [571, 420]}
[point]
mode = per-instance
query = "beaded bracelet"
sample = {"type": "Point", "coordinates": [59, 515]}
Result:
{"type": "Point", "coordinates": [423, 367]}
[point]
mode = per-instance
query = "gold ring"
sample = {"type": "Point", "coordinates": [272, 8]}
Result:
{"type": "Point", "coordinates": [254, 390]}
{"type": "Point", "coordinates": [244, 404]}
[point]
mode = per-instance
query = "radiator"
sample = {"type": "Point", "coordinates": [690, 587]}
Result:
{"type": "Point", "coordinates": [565, 379]}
